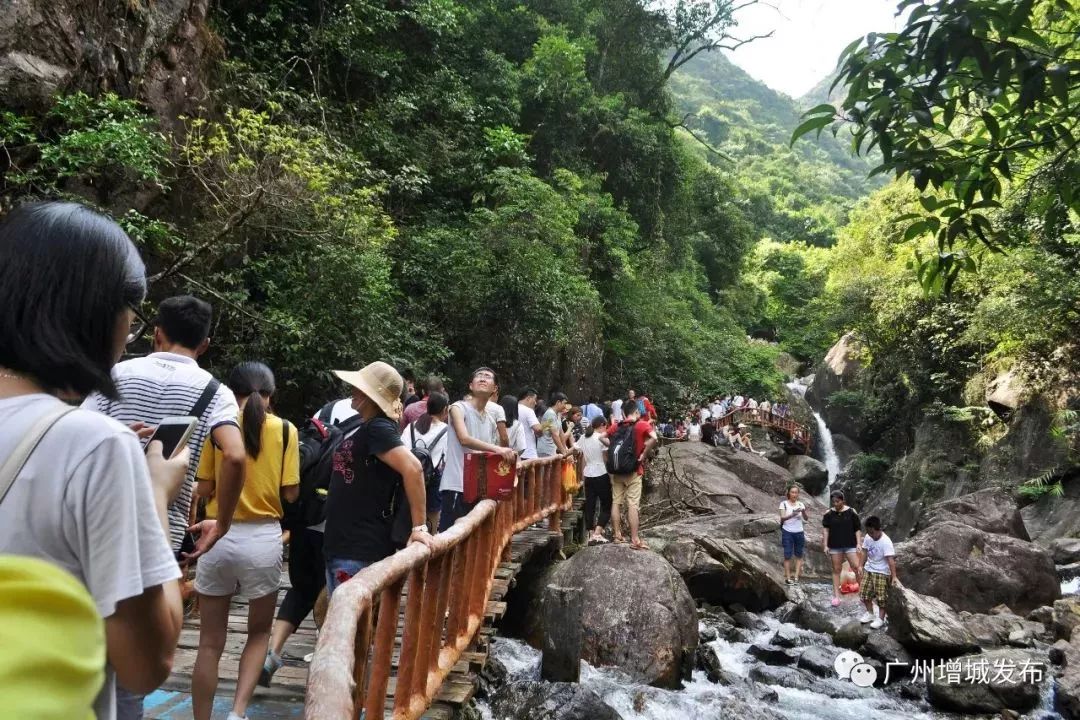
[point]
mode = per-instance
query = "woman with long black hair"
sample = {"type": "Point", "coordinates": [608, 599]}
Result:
{"type": "Point", "coordinates": [249, 556]}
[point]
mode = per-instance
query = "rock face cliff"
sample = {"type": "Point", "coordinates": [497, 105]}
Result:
{"type": "Point", "coordinates": [153, 50]}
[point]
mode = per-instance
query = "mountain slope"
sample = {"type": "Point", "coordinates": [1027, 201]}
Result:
{"type": "Point", "coordinates": [799, 193]}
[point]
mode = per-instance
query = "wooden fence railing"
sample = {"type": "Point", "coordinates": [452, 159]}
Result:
{"type": "Point", "coordinates": [446, 590]}
{"type": "Point", "coordinates": [795, 431]}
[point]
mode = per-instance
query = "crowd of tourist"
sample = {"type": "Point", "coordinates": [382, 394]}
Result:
{"type": "Point", "coordinates": [88, 486]}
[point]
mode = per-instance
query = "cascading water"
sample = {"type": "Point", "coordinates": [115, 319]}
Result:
{"type": "Point", "coordinates": [824, 438]}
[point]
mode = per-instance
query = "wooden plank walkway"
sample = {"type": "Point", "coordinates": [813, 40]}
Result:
{"type": "Point", "coordinates": [285, 698]}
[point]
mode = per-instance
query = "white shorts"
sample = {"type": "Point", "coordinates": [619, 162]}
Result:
{"type": "Point", "coordinates": [246, 562]}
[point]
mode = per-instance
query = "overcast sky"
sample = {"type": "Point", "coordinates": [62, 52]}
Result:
{"type": "Point", "coordinates": [808, 37]}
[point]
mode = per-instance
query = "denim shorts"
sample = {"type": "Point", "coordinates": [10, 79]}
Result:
{"type": "Point", "coordinates": [794, 543]}
{"type": "Point", "coordinates": [842, 551]}
{"type": "Point", "coordinates": [341, 570]}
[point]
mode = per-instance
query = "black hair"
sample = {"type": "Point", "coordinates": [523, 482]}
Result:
{"type": "Point", "coordinates": [67, 274]}
{"type": "Point", "coordinates": [255, 381]}
{"type": "Point", "coordinates": [510, 404]}
{"type": "Point", "coordinates": [556, 397]}
{"type": "Point", "coordinates": [185, 320]}
{"type": "Point", "coordinates": [477, 371]}
{"type": "Point", "coordinates": [793, 486]}
{"type": "Point", "coordinates": [836, 494]}
{"type": "Point", "coordinates": [629, 407]}
{"type": "Point", "coordinates": [433, 384]}
{"type": "Point", "coordinates": [872, 523]}
{"type": "Point", "coordinates": [436, 403]}
{"type": "Point", "coordinates": [596, 423]}
{"type": "Point", "coordinates": [529, 391]}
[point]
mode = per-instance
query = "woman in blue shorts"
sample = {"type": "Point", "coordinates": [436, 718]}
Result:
{"type": "Point", "coordinates": [792, 514]}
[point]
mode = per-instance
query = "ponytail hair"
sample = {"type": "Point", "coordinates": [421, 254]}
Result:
{"type": "Point", "coordinates": [597, 422]}
{"type": "Point", "coordinates": [436, 403]}
{"type": "Point", "coordinates": [255, 381]}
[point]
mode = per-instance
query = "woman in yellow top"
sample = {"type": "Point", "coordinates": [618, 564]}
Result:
{"type": "Point", "coordinates": [247, 560]}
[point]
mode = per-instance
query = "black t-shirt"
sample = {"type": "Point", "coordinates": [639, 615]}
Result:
{"type": "Point", "coordinates": [358, 507]}
{"type": "Point", "coordinates": [842, 527]}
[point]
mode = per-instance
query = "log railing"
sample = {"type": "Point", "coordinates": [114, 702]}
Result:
{"type": "Point", "coordinates": [446, 589]}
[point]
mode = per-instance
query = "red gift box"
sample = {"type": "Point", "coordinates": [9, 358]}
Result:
{"type": "Point", "coordinates": [488, 476]}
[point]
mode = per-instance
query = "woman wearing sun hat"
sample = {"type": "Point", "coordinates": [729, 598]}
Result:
{"type": "Point", "coordinates": [368, 466]}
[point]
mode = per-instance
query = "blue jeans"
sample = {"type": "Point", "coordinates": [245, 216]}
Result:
{"type": "Point", "coordinates": [794, 543]}
{"type": "Point", "coordinates": [453, 507]}
{"type": "Point", "coordinates": [129, 705]}
{"type": "Point", "coordinates": [339, 570]}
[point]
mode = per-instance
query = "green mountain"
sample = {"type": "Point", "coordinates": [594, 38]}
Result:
{"type": "Point", "coordinates": [796, 193]}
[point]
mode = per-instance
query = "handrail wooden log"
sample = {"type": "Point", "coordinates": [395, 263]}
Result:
{"type": "Point", "coordinates": [448, 586]}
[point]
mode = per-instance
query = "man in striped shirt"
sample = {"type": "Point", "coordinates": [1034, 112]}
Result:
{"type": "Point", "coordinates": [166, 383]}
{"type": "Point", "coordinates": [169, 382]}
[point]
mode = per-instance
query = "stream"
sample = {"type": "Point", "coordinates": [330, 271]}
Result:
{"type": "Point", "coordinates": [700, 699]}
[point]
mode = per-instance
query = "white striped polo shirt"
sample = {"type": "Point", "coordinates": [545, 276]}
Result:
{"type": "Point", "coordinates": [163, 385]}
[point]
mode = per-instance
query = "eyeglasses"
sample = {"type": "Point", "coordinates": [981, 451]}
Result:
{"type": "Point", "coordinates": [138, 326]}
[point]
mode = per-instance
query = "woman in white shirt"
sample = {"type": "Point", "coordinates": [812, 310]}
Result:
{"type": "Point", "coordinates": [86, 498]}
{"type": "Point", "coordinates": [792, 514]}
{"type": "Point", "coordinates": [515, 430]}
{"type": "Point", "coordinates": [597, 481]}
{"type": "Point", "coordinates": [694, 434]}
{"type": "Point", "coordinates": [429, 431]}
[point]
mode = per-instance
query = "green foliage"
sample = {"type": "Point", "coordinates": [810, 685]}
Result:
{"type": "Point", "coordinates": [103, 142]}
{"type": "Point", "coordinates": [973, 100]}
{"type": "Point", "coordinates": [869, 467]}
{"type": "Point", "coordinates": [1049, 483]}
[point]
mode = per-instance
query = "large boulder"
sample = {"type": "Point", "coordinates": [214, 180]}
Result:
{"type": "Point", "coordinates": [808, 472]}
{"type": "Point", "coordinates": [154, 51]}
{"type": "Point", "coordinates": [1050, 518]}
{"type": "Point", "coordinates": [624, 590]}
{"type": "Point", "coordinates": [1065, 551]}
{"type": "Point", "coordinates": [730, 559]}
{"type": "Point", "coordinates": [988, 683]}
{"type": "Point", "coordinates": [991, 510]}
{"type": "Point", "coordinates": [1067, 685]}
{"type": "Point", "coordinates": [995, 630]}
{"type": "Point", "coordinates": [533, 700]}
{"type": "Point", "coordinates": [838, 371]}
{"type": "Point", "coordinates": [974, 570]}
{"type": "Point", "coordinates": [755, 471]}
{"type": "Point", "coordinates": [926, 626]}
{"type": "Point", "coordinates": [845, 448]}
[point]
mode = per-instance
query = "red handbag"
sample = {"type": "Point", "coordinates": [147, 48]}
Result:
{"type": "Point", "coordinates": [488, 476]}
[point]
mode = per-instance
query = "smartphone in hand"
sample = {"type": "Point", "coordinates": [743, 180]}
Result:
{"type": "Point", "coordinates": [173, 432]}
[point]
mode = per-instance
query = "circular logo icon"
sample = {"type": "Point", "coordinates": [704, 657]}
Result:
{"type": "Point", "coordinates": [864, 675]}
{"type": "Point", "coordinates": [845, 661]}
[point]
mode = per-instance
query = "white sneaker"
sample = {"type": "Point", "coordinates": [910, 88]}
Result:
{"type": "Point", "coordinates": [866, 617]}
{"type": "Point", "coordinates": [878, 622]}
{"type": "Point", "coordinates": [234, 716]}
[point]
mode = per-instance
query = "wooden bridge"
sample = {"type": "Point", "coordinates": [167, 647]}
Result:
{"type": "Point", "coordinates": [407, 637]}
{"type": "Point", "coordinates": [796, 435]}
{"type": "Point", "coordinates": [400, 638]}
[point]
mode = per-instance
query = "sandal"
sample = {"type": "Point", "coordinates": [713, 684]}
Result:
{"type": "Point", "coordinates": [618, 540]}
{"type": "Point", "coordinates": [639, 546]}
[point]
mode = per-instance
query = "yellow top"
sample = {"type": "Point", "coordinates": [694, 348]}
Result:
{"type": "Point", "coordinates": [265, 475]}
{"type": "Point", "coordinates": [53, 663]}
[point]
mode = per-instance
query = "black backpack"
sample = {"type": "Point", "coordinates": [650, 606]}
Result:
{"type": "Point", "coordinates": [401, 525]}
{"type": "Point", "coordinates": [621, 458]}
{"type": "Point", "coordinates": [432, 474]}
{"type": "Point", "coordinates": [318, 441]}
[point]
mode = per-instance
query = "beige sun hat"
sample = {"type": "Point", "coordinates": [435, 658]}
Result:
{"type": "Point", "coordinates": [381, 383]}
{"type": "Point", "coordinates": [742, 425]}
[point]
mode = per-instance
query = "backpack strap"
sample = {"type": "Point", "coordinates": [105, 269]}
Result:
{"type": "Point", "coordinates": [204, 400]}
{"type": "Point", "coordinates": [17, 460]}
{"type": "Point", "coordinates": [284, 438]}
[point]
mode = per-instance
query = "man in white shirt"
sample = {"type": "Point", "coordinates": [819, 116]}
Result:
{"type": "Point", "coordinates": [616, 411]}
{"type": "Point", "coordinates": [704, 414]}
{"type": "Point", "coordinates": [716, 410]}
{"type": "Point", "coordinates": [529, 422]}
{"type": "Point", "coordinates": [472, 429]}
{"type": "Point", "coordinates": [167, 383]}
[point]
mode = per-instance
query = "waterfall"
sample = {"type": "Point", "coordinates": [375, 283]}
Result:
{"type": "Point", "coordinates": [824, 439]}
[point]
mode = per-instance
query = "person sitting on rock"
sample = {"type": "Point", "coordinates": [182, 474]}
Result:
{"type": "Point", "coordinates": [745, 442]}
{"type": "Point", "coordinates": [841, 539]}
{"type": "Point", "coordinates": [732, 436]}
{"type": "Point", "coordinates": [879, 566]}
